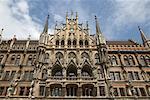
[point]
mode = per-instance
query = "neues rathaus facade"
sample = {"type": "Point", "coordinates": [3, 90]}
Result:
{"type": "Point", "coordinates": [73, 64]}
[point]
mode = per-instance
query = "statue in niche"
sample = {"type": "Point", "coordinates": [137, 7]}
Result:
{"type": "Point", "coordinates": [31, 90]}
{"type": "Point", "coordinates": [12, 88]}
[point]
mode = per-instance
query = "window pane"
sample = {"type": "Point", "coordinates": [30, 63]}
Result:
{"type": "Point", "coordinates": [115, 92]}
{"type": "Point", "coordinates": [122, 91]}
{"type": "Point", "coordinates": [117, 74]}
{"type": "Point", "coordinates": [112, 76]}
{"type": "Point", "coordinates": [142, 90]}
{"type": "Point", "coordinates": [102, 90]}
{"type": "Point", "coordinates": [42, 89]}
{"type": "Point", "coordinates": [136, 76]}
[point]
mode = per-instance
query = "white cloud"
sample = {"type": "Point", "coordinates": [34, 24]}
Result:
{"type": "Point", "coordinates": [15, 20]}
{"type": "Point", "coordinates": [126, 14]}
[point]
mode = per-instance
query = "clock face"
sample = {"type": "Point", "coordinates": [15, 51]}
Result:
{"type": "Point", "coordinates": [71, 29]}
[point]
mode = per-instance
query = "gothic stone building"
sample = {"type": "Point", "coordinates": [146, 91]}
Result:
{"type": "Point", "coordinates": [72, 64]}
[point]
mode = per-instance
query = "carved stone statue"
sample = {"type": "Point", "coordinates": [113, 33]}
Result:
{"type": "Point", "coordinates": [31, 90]}
{"type": "Point", "coordinates": [12, 88]}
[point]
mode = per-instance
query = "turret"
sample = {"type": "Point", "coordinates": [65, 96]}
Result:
{"type": "Point", "coordinates": [145, 41]}
{"type": "Point", "coordinates": [100, 38]}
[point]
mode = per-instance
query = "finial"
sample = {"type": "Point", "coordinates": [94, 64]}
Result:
{"type": "Point", "coordinates": [95, 17]}
{"type": "Point", "coordinates": [139, 28]}
{"type": "Point", "coordinates": [71, 14]}
{"type": "Point", "coordinates": [67, 14]}
{"type": "Point", "coordinates": [87, 24]}
{"type": "Point", "coordinates": [56, 25]}
{"type": "Point", "coordinates": [14, 36]}
{"type": "Point", "coordinates": [76, 14]}
{"type": "Point", "coordinates": [1, 31]}
{"type": "Point", "coordinates": [29, 37]}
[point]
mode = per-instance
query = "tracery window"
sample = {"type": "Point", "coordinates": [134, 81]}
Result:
{"type": "Point", "coordinates": [62, 43]}
{"type": "Point", "coordinates": [59, 56]}
{"type": "Point", "coordinates": [57, 70]}
{"type": "Point", "coordinates": [74, 43]}
{"type": "Point", "coordinates": [84, 56]}
{"type": "Point", "coordinates": [57, 42]}
{"type": "Point", "coordinates": [86, 71]}
{"type": "Point", "coordinates": [81, 43]}
{"type": "Point", "coordinates": [72, 71]}
{"type": "Point", "coordinates": [69, 42]}
{"type": "Point", "coordinates": [72, 56]}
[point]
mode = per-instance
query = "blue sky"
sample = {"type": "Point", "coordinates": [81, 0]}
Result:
{"type": "Point", "coordinates": [118, 18]}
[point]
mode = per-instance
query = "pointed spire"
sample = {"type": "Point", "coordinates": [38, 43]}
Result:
{"type": "Point", "coordinates": [76, 15]}
{"type": "Point", "coordinates": [100, 38]}
{"type": "Point", "coordinates": [71, 15]}
{"type": "Point", "coordinates": [45, 31]}
{"type": "Point", "coordinates": [67, 15]}
{"type": "Point", "coordinates": [1, 35]}
{"type": "Point", "coordinates": [29, 37]}
{"type": "Point", "coordinates": [144, 39]}
{"type": "Point", "coordinates": [142, 35]}
{"type": "Point", "coordinates": [98, 31]}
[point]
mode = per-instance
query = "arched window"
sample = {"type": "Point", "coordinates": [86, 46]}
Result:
{"type": "Point", "coordinates": [56, 90]}
{"type": "Point", "coordinates": [88, 90]}
{"type": "Point", "coordinates": [72, 56]}
{"type": "Point", "coordinates": [12, 60]}
{"type": "Point", "coordinates": [29, 62]}
{"type": "Point", "coordinates": [46, 58]}
{"type": "Point", "coordinates": [131, 60]}
{"type": "Point", "coordinates": [34, 59]}
{"type": "Point", "coordinates": [1, 58]}
{"type": "Point", "coordinates": [62, 43]}
{"type": "Point", "coordinates": [57, 42]}
{"type": "Point", "coordinates": [17, 62]}
{"type": "Point", "coordinates": [57, 70]}
{"type": "Point", "coordinates": [44, 74]}
{"type": "Point", "coordinates": [84, 56]}
{"type": "Point", "coordinates": [147, 59]}
{"type": "Point", "coordinates": [86, 71]}
{"type": "Point", "coordinates": [81, 43]}
{"type": "Point", "coordinates": [96, 59]}
{"type": "Point", "coordinates": [74, 42]}
{"type": "Point", "coordinates": [114, 60]}
{"type": "Point", "coordinates": [71, 71]}
{"type": "Point", "coordinates": [59, 56]}
{"type": "Point", "coordinates": [126, 61]}
{"type": "Point", "coordinates": [86, 43]}
{"type": "Point", "coordinates": [69, 42]}
{"type": "Point", "coordinates": [142, 60]}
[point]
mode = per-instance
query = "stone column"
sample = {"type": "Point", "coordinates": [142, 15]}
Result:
{"type": "Point", "coordinates": [64, 72]}
{"type": "Point", "coordinates": [79, 91]}
{"type": "Point", "coordinates": [64, 92]}
{"type": "Point", "coordinates": [98, 91]}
